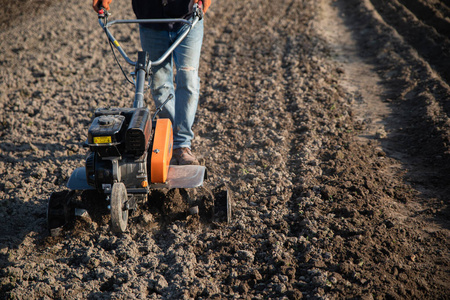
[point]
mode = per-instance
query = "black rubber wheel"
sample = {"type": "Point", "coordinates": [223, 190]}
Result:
{"type": "Point", "coordinates": [119, 213]}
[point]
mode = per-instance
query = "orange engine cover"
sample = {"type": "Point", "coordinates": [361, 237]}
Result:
{"type": "Point", "coordinates": [161, 151]}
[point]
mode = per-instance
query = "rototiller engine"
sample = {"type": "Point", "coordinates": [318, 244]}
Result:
{"type": "Point", "coordinates": [129, 149]}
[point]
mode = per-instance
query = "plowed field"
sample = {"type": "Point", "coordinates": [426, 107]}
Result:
{"type": "Point", "coordinates": [328, 120]}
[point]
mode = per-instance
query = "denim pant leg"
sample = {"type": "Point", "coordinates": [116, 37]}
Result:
{"type": "Point", "coordinates": [156, 42]}
{"type": "Point", "coordinates": [187, 59]}
{"type": "Point", "coordinates": [186, 56]}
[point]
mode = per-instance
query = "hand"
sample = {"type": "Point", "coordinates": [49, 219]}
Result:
{"type": "Point", "coordinates": [206, 4]}
{"type": "Point", "coordinates": [96, 4]}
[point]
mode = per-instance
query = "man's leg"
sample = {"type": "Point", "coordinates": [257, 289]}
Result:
{"type": "Point", "coordinates": [156, 42]}
{"type": "Point", "coordinates": [187, 58]}
{"type": "Point", "coordinates": [181, 111]}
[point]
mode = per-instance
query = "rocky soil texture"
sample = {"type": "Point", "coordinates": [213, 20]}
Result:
{"type": "Point", "coordinates": [328, 120]}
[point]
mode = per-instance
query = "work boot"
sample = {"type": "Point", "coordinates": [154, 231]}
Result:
{"type": "Point", "coordinates": [183, 156]}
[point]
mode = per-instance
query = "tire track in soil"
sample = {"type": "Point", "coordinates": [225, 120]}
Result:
{"type": "Point", "coordinates": [259, 116]}
{"type": "Point", "coordinates": [300, 71]}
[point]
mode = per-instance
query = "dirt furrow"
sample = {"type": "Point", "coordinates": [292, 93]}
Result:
{"type": "Point", "coordinates": [446, 3]}
{"type": "Point", "coordinates": [428, 43]}
{"type": "Point", "coordinates": [421, 158]}
{"type": "Point", "coordinates": [259, 125]}
{"type": "Point", "coordinates": [401, 68]}
{"type": "Point", "coordinates": [434, 16]}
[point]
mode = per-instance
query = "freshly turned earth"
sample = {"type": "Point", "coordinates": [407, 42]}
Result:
{"type": "Point", "coordinates": [328, 121]}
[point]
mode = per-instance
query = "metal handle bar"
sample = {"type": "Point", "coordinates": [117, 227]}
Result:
{"type": "Point", "coordinates": [180, 38]}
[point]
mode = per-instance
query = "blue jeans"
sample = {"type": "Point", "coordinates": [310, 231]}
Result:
{"type": "Point", "coordinates": [182, 108]}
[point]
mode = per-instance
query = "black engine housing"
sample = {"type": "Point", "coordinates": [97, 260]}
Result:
{"type": "Point", "coordinates": [118, 139]}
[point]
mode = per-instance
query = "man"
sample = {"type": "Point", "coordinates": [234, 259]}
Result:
{"type": "Point", "coordinates": [156, 39]}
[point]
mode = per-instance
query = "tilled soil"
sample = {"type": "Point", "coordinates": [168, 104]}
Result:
{"type": "Point", "coordinates": [327, 120]}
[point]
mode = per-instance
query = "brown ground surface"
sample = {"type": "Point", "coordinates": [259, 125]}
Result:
{"type": "Point", "coordinates": [329, 121]}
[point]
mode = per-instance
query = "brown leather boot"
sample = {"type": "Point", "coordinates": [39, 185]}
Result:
{"type": "Point", "coordinates": [183, 156]}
